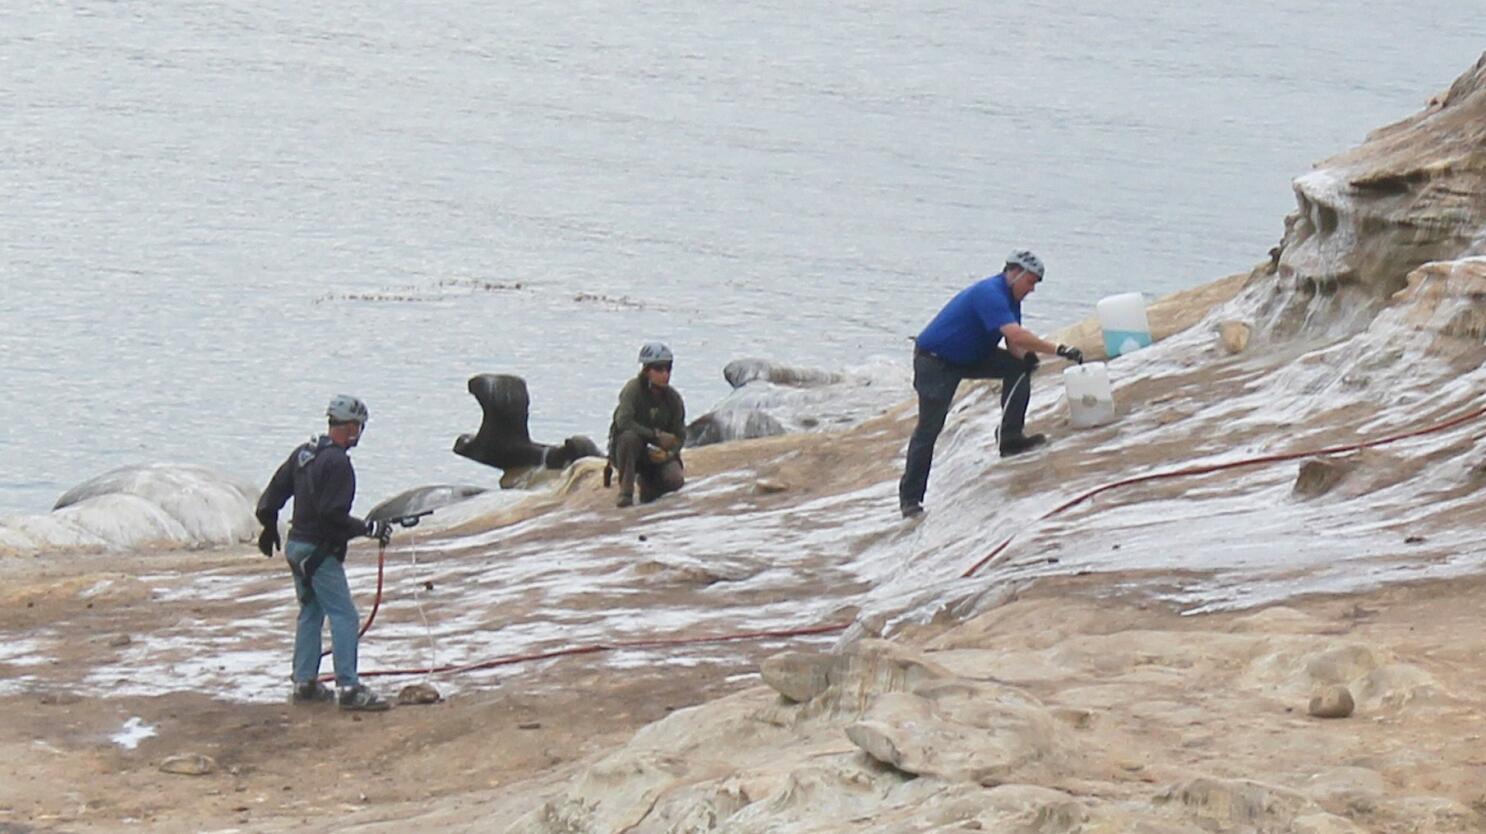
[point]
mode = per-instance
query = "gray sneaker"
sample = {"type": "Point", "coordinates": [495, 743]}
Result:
{"type": "Point", "coordinates": [361, 699]}
{"type": "Point", "coordinates": [312, 692]}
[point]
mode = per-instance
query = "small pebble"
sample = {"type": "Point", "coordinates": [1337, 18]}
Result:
{"type": "Point", "coordinates": [189, 764]}
{"type": "Point", "coordinates": [1335, 702]}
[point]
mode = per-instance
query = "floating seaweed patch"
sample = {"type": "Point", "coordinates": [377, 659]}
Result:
{"type": "Point", "coordinates": [478, 285]}
{"type": "Point", "coordinates": [441, 290]}
{"type": "Point", "coordinates": [622, 301]}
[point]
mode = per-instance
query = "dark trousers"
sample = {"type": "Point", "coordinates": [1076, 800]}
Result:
{"type": "Point", "coordinates": [633, 463]}
{"type": "Point", "coordinates": [935, 380]}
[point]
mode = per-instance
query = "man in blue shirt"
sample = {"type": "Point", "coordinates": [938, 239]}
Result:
{"type": "Point", "coordinates": [963, 342]}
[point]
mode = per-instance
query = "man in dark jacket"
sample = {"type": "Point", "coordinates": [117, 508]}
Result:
{"type": "Point", "coordinates": [648, 430]}
{"type": "Point", "coordinates": [319, 477]}
{"type": "Point", "coordinates": [962, 342]}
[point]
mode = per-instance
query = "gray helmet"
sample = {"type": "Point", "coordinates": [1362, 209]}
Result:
{"type": "Point", "coordinates": [345, 408]}
{"type": "Point", "coordinates": [1026, 260]}
{"type": "Point", "coordinates": [654, 352]}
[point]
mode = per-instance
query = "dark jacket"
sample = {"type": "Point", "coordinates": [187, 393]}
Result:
{"type": "Point", "coordinates": [645, 410]}
{"type": "Point", "coordinates": [319, 477]}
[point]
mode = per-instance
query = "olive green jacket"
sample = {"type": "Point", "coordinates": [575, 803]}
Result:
{"type": "Point", "coordinates": [646, 410]}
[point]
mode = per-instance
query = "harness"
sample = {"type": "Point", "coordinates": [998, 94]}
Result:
{"type": "Point", "coordinates": [306, 572]}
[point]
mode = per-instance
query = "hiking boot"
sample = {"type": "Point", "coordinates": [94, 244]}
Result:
{"type": "Point", "coordinates": [312, 692]}
{"type": "Point", "coordinates": [911, 509]}
{"type": "Point", "coordinates": [1015, 444]}
{"type": "Point", "coordinates": [626, 499]}
{"type": "Point", "coordinates": [361, 699]}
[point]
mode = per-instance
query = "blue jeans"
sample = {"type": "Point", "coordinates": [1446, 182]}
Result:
{"type": "Point", "coordinates": [332, 599]}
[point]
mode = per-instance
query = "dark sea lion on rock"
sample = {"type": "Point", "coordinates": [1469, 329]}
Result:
{"type": "Point", "coordinates": [503, 440]}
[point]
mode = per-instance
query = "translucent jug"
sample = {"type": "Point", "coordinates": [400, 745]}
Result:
{"type": "Point", "coordinates": [1090, 399]}
{"type": "Point", "coordinates": [1123, 320]}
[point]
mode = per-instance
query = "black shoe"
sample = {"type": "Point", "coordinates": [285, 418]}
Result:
{"type": "Point", "coordinates": [312, 692]}
{"type": "Point", "coordinates": [911, 509]}
{"type": "Point", "coordinates": [1015, 444]}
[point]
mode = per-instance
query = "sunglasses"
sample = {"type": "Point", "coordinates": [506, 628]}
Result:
{"type": "Point", "coordinates": [659, 366]}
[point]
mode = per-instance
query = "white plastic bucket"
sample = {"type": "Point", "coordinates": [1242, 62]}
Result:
{"type": "Point", "coordinates": [1123, 320]}
{"type": "Point", "coordinates": [1090, 399]}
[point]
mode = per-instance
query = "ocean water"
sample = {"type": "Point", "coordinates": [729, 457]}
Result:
{"type": "Point", "coordinates": [217, 215]}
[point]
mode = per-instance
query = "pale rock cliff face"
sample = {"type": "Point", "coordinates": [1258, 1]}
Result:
{"type": "Point", "coordinates": [1414, 192]}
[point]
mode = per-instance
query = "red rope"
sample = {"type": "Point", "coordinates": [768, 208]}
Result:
{"type": "Point", "coordinates": [832, 628]}
{"type": "Point", "coordinates": [376, 601]}
{"type": "Point", "coordinates": [1219, 467]}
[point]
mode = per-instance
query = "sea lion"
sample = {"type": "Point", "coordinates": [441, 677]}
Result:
{"type": "Point", "coordinates": [503, 440]}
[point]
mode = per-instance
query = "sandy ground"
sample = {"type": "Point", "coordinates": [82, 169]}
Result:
{"type": "Point", "coordinates": [276, 764]}
{"type": "Point", "coordinates": [280, 767]}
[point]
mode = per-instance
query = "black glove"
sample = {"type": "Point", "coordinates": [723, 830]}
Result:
{"type": "Point", "coordinates": [268, 540]}
{"type": "Point", "coordinates": [1072, 354]}
{"type": "Point", "coordinates": [380, 530]}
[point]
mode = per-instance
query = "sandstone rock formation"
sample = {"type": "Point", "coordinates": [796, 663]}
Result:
{"type": "Point", "coordinates": [1413, 193]}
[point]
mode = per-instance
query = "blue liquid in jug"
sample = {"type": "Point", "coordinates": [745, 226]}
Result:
{"type": "Point", "coordinates": [1118, 342]}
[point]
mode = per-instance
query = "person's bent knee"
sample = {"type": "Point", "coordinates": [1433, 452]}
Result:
{"type": "Point", "coordinates": [672, 478]}
{"type": "Point", "coordinates": [627, 446]}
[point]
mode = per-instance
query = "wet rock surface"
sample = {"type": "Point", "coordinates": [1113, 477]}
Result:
{"type": "Point", "coordinates": [1138, 662]}
{"type": "Point", "coordinates": [1365, 219]}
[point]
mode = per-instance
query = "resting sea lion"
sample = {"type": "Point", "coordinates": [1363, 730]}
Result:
{"type": "Point", "coordinates": [503, 440]}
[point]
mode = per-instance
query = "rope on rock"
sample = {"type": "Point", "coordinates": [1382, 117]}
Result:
{"type": "Point", "coordinates": [1219, 467]}
{"type": "Point", "coordinates": [833, 628]}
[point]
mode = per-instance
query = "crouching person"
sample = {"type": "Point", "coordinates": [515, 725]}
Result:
{"type": "Point", "coordinates": [319, 477]}
{"type": "Point", "coordinates": [648, 430]}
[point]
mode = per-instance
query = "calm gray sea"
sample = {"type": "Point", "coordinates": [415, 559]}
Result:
{"type": "Point", "coordinates": [218, 214]}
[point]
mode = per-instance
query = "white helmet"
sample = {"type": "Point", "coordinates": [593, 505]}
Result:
{"type": "Point", "coordinates": [345, 408]}
{"type": "Point", "coordinates": [1026, 260]}
{"type": "Point", "coordinates": [654, 352]}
